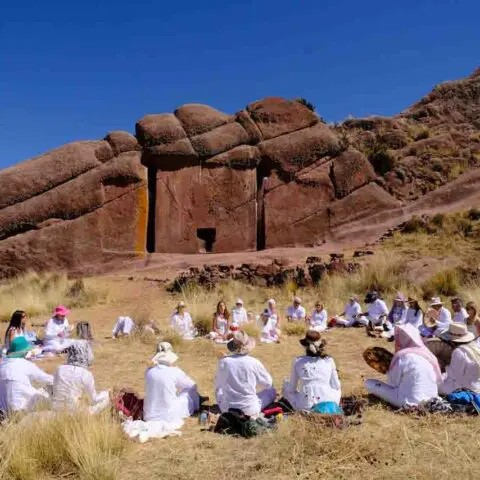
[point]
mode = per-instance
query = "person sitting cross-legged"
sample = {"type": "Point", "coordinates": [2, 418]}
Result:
{"type": "Point", "coordinates": [239, 376]}
{"type": "Point", "coordinates": [414, 373]}
{"type": "Point", "coordinates": [314, 377]}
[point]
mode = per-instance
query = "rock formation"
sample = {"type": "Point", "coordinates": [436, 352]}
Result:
{"type": "Point", "coordinates": [199, 180]}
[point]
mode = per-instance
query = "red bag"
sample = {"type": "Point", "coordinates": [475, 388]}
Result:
{"type": "Point", "coordinates": [129, 403]}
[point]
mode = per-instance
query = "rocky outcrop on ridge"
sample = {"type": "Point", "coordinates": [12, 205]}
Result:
{"type": "Point", "coordinates": [199, 180]}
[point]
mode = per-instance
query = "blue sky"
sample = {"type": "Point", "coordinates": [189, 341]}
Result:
{"type": "Point", "coordinates": [76, 70]}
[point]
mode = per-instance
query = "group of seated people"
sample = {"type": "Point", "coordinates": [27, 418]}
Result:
{"type": "Point", "coordinates": [242, 382]}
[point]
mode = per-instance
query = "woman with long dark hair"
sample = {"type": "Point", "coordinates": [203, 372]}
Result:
{"type": "Point", "coordinates": [16, 327]}
{"type": "Point", "coordinates": [221, 323]}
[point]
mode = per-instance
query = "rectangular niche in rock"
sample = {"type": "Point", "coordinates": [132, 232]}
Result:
{"type": "Point", "coordinates": [206, 237]}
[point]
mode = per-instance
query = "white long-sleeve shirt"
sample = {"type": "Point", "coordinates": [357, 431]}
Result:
{"type": "Point", "coordinates": [239, 316]}
{"type": "Point", "coordinates": [183, 324]}
{"type": "Point", "coordinates": [463, 372]}
{"type": "Point", "coordinates": [163, 388]}
{"type": "Point", "coordinates": [413, 379]}
{"type": "Point", "coordinates": [313, 380]}
{"type": "Point", "coordinates": [319, 320]}
{"type": "Point", "coordinates": [70, 384]}
{"type": "Point", "coordinates": [237, 380]}
{"type": "Point", "coordinates": [443, 321]}
{"type": "Point", "coordinates": [415, 318]}
{"type": "Point", "coordinates": [54, 328]}
{"type": "Point", "coordinates": [460, 317]}
{"type": "Point", "coordinates": [377, 309]}
{"type": "Point", "coordinates": [296, 313]}
{"type": "Point", "coordinates": [352, 310]}
{"type": "Point", "coordinates": [16, 389]}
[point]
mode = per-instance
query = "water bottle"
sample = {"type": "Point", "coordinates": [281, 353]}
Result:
{"type": "Point", "coordinates": [203, 418]}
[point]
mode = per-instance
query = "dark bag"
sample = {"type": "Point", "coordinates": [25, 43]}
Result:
{"type": "Point", "coordinates": [84, 331]}
{"type": "Point", "coordinates": [235, 422]}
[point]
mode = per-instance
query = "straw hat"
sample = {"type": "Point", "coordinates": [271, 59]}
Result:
{"type": "Point", "coordinates": [436, 301]}
{"type": "Point", "coordinates": [181, 304]}
{"type": "Point", "coordinates": [458, 333]}
{"type": "Point", "coordinates": [165, 354]}
{"type": "Point", "coordinates": [240, 343]}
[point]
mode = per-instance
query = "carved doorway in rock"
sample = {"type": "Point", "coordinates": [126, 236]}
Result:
{"type": "Point", "coordinates": [206, 239]}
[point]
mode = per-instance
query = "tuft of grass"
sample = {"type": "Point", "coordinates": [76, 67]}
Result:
{"type": "Point", "coordinates": [171, 336]}
{"type": "Point", "coordinates": [294, 329]}
{"type": "Point", "coordinates": [39, 293]}
{"type": "Point", "coordinates": [446, 282]}
{"type": "Point", "coordinates": [61, 445]}
{"type": "Point", "coordinates": [251, 329]}
{"type": "Point", "coordinates": [474, 214]}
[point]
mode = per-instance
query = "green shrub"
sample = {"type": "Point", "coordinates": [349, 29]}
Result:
{"type": "Point", "coordinates": [474, 214]}
{"type": "Point", "coordinates": [306, 103]}
{"type": "Point", "coordinates": [414, 225]}
{"type": "Point", "coordinates": [438, 220]}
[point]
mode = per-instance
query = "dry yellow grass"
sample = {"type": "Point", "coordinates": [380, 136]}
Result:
{"type": "Point", "coordinates": [385, 445]}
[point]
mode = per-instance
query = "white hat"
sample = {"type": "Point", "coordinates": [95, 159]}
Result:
{"type": "Point", "coordinates": [458, 333]}
{"type": "Point", "coordinates": [436, 301]}
{"type": "Point", "coordinates": [297, 300]}
{"type": "Point", "coordinates": [272, 302]}
{"type": "Point", "coordinates": [165, 354]}
{"type": "Point", "coordinates": [241, 343]}
{"type": "Point", "coordinates": [239, 301]}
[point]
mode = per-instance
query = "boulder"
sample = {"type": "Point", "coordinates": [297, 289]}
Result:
{"type": "Point", "coordinates": [254, 133]}
{"type": "Point", "coordinates": [316, 175]}
{"type": "Point", "coordinates": [159, 129]}
{"type": "Point", "coordinates": [43, 173]}
{"type": "Point", "coordinates": [171, 156]}
{"type": "Point", "coordinates": [76, 197]}
{"type": "Point", "coordinates": [361, 204]}
{"type": "Point", "coordinates": [219, 140]}
{"type": "Point", "coordinates": [295, 151]}
{"type": "Point", "coordinates": [242, 157]}
{"type": "Point", "coordinates": [276, 116]}
{"type": "Point", "coordinates": [197, 119]}
{"type": "Point", "coordinates": [122, 142]}
{"type": "Point", "coordinates": [351, 170]}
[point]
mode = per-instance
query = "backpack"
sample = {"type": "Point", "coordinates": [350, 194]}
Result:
{"type": "Point", "coordinates": [235, 422]}
{"type": "Point", "coordinates": [84, 332]}
{"type": "Point", "coordinates": [128, 403]}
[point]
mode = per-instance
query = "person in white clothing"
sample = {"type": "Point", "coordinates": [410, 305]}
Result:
{"type": "Point", "coordinates": [443, 317]}
{"type": "Point", "coordinates": [124, 326]}
{"type": "Point", "coordinates": [170, 394]}
{"type": "Point", "coordinates": [239, 314]}
{"type": "Point", "coordinates": [351, 313]}
{"type": "Point", "coordinates": [414, 313]}
{"type": "Point", "coordinates": [240, 376]}
{"type": "Point", "coordinates": [460, 315]}
{"type": "Point", "coordinates": [314, 377]}
{"type": "Point", "coordinates": [318, 321]}
{"type": "Point", "coordinates": [464, 369]}
{"type": "Point", "coordinates": [57, 331]}
{"type": "Point", "coordinates": [414, 373]}
{"type": "Point", "coordinates": [221, 323]}
{"type": "Point", "coordinates": [296, 313]}
{"type": "Point", "coordinates": [270, 331]}
{"type": "Point", "coordinates": [16, 376]}
{"type": "Point", "coordinates": [181, 321]}
{"type": "Point", "coordinates": [377, 311]}
{"type": "Point", "coordinates": [473, 321]}
{"type": "Point", "coordinates": [73, 381]}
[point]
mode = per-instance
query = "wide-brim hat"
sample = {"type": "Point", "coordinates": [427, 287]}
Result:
{"type": "Point", "coordinates": [458, 333]}
{"type": "Point", "coordinates": [19, 347]}
{"type": "Point", "coordinates": [378, 358]}
{"type": "Point", "coordinates": [436, 301]}
{"type": "Point", "coordinates": [165, 354]}
{"type": "Point", "coordinates": [181, 304]}
{"type": "Point", "coordinates": [400, 297]}
{"type": "Point", "coordinates": [311, 336]}
{"type": "Point", "coordinates": [240, 343]}
{"type": "Point", "coordinates": [61, 310]}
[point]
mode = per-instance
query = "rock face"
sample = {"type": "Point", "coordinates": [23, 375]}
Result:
{"type": "Point", "coordinates": [200, 180]}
